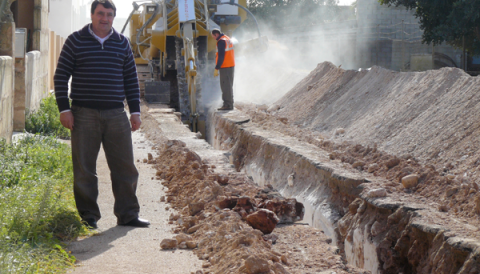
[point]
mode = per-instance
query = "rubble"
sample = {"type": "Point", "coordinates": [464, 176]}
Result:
{"type": "Point", "coordinates": [215, 220]}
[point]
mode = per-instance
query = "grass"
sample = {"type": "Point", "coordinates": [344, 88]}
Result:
{"type": "Point", "coordinates": [37, 206]}
{"type": "Point", "coordinates": [46, 120]}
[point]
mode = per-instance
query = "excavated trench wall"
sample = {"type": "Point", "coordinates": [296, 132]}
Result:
{"type": "Point", "coordinates": [379, 235]}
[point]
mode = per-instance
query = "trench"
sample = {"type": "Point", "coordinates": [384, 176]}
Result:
{"type": "Point", "coordinates": [378, 235]}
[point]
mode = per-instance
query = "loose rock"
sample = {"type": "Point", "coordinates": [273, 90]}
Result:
{"type": "Point", "coordinates": [392, 162]}
{"type": "Point", "coordinates": [451, 191]}
{"type": "Point", "coordinates": [263, 220]}
{"type": "Point", "coordinates": [377, 193]}
{"type": "Point", "coordinates": [194, 208]}
{"type": "Point", "coordinates": [222, 179]}
{"type": "Point", "coordinates": [358, 164]}
{"type": "Point", "coordinates": [168, 244]}
{"type": "Point", "coordinates": [181, 238]}
{"type": "Point", "coordinates": [372, 168]}
{"type": "Point", "coordinates": [410, 181]}
{"type": "Point", "coordinates": [255, 265]}
{"type": "Point", "coordinates": [191, 245]}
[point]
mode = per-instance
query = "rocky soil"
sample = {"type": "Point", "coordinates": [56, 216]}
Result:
{"type": "Point", "coordinates": [230, 223]}
{"type": "Point", "coordinates": [412, 135]}
{"type": "Point", "coordinates": [414, 129]}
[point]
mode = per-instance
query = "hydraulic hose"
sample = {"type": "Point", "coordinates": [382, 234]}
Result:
{"type": "Point", "coordinates": [146, 23]}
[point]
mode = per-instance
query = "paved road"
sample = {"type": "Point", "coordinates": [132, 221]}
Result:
{"type": "Point", "coordinates": [118, 249]}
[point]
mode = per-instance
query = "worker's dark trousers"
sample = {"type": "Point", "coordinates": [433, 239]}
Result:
{"type": "Point", "coordinates": [110, 128]}
{"type": "Point", "coordinates": [226, 84]}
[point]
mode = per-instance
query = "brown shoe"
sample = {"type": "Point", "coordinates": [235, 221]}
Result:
{"type": "Point", "coordinates": [225, 108]}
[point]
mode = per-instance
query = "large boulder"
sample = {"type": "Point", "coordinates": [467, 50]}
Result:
{"type": "Point", "coordinates": [263, 220]}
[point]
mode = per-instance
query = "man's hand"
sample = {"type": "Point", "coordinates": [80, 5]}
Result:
{"type": "Point", "coordinates": [215, 73]}
{"type": "Point", "coordinates": [66, 118]}
{"type": "Point", "coordinates": [135, 121]}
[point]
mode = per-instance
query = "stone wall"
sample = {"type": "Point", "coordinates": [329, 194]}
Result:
{"type": "Point", "coordinates": [6, 97]}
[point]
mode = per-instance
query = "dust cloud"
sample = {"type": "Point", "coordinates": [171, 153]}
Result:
{"type": "Point", "coordinates": [263, 78]}
{"type": "Point", "coordinates": [294, 49]}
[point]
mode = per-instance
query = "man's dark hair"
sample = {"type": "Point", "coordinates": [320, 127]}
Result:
{"type": "Point", "coordinates": [108, 4]}
{"type": "Point", "coordinates": [216, 31]}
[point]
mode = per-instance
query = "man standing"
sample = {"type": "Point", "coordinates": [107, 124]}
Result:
{"type": "Point", "coordinates": [103, 72]}
{"type": "Point", "coordinates": [225, 63]}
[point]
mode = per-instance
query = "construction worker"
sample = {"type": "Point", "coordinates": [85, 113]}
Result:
{"type": "Point", "coordinates": [101, 65]}
{"type": "Point", "coordinates": [225, 66]}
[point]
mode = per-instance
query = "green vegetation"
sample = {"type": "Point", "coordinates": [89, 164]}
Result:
{"type": "Point", "coordinates": [36, 204]}
{"type": "Point", "coordinates": [456, 22]}
{"type": "Point", "coordinates": [46, 120]}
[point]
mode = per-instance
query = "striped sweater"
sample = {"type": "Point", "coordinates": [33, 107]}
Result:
{"type": "Point", "coordinates": [102, 75]}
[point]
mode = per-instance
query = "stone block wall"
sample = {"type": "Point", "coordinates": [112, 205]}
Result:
{"type": "Point", "coordinates": [6, 97]}
{"type": "Point", "coordinates": [390, 36]}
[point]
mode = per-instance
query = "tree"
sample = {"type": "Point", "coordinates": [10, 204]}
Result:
{"type": "Point", "coordinates": [456, 22]}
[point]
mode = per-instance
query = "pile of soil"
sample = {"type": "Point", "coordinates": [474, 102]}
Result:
{"type": "Point", "coordinates": [218, 232]}
{"type": "Point", "coordinates": [390, 125]}
{"type": "Point", "coordinates": [430, 115]}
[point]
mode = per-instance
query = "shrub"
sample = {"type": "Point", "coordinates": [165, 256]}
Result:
{"type": "Point", "coordinates": [46, 120]}
{"type": "Point", "coordinates": [37, 206]}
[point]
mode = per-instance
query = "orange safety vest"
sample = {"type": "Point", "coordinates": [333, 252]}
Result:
{"type": "Point", "coordinates": [229, 60]}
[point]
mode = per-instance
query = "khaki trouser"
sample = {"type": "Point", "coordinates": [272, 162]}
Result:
{"type": "Point", "coordinates": [111, 129]}
{"type": "Point", "coordinates": [226, 84]}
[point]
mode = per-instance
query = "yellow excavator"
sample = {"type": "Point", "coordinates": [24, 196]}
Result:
{"type": "Point", "coordinates": [173, 47]}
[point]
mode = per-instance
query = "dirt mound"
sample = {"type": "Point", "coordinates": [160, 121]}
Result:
{"type": "Point", "coordinates": [423, 121]}
{"type": "Point", "coordinates": [431, 115]}
{"type": "Point", "coordinates": [417, 130]}
{"type": "Point", "coordinates": [214, 209]}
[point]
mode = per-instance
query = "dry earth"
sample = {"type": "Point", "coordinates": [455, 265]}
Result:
{"type": "Point", "coordinates": [388, 125]}
{"type": "Point", "coordinates": [212, 219]}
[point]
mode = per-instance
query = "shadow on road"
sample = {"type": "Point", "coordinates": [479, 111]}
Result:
{"type": "Point", "coordinates": [97, 244]}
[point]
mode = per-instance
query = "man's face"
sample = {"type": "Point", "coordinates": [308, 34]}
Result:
{"type": "Point", "coordinates": [102, 18]}
{"type": "Point", "coordinates": [215, 35]}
